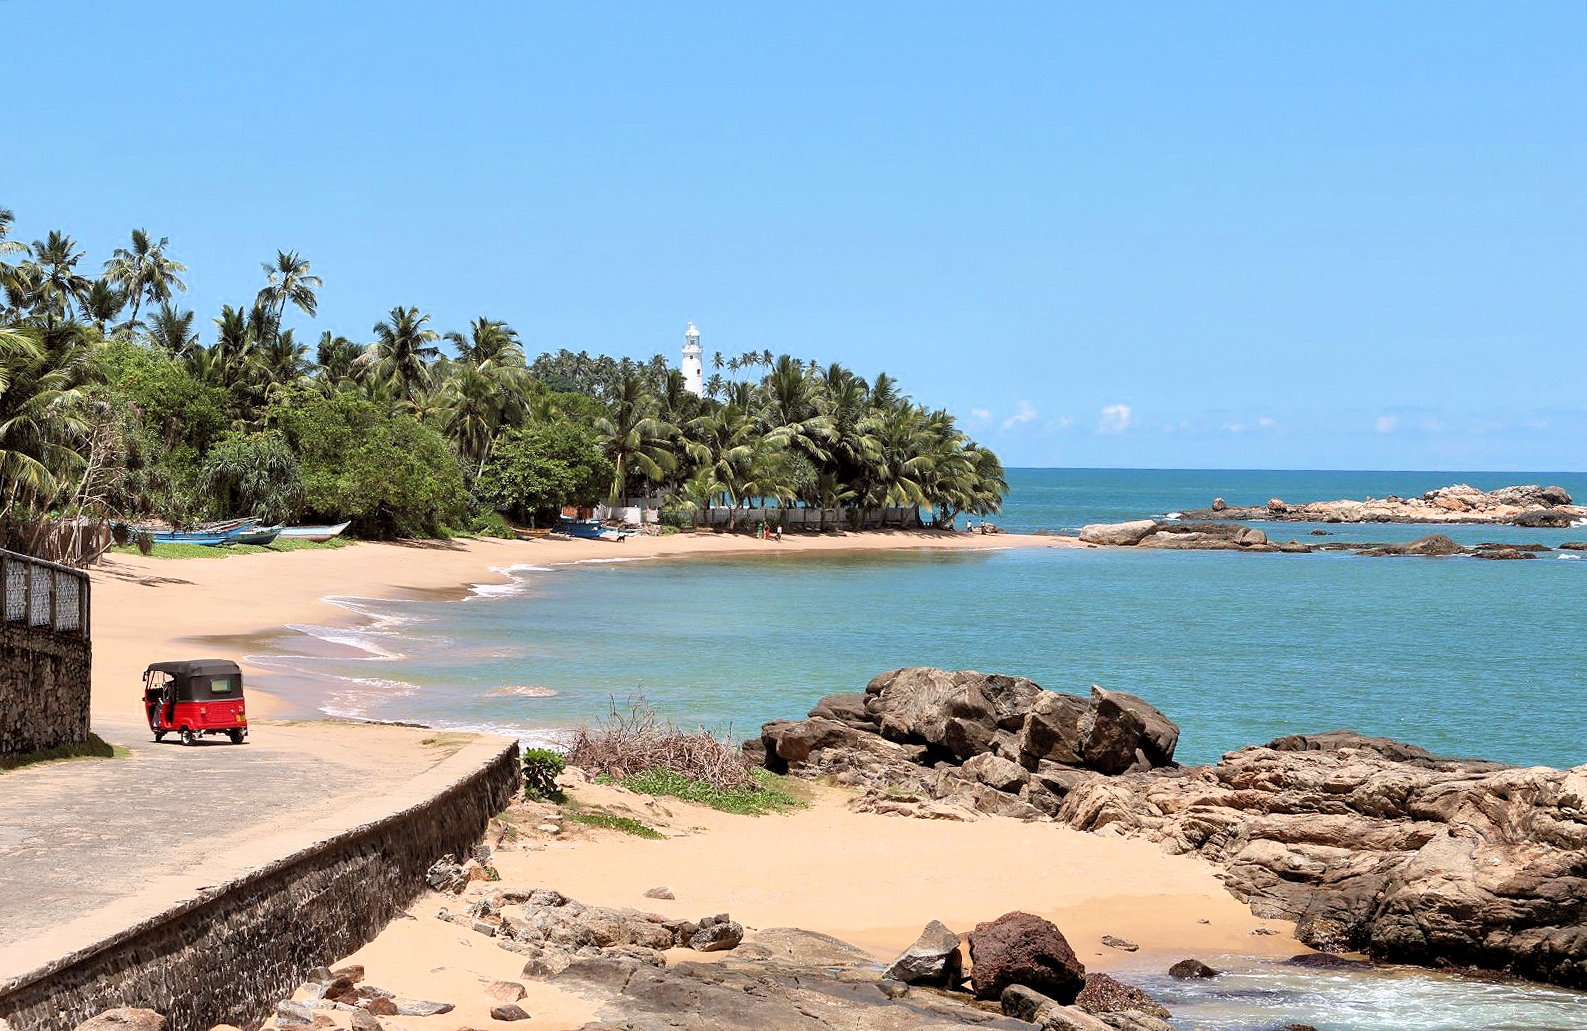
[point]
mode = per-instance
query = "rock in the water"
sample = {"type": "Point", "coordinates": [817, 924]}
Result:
{"type": "Point", "coordinates": [1106, 994]}
{"type": "Point", "coordinates": [717, 933]}
{"type": "Point", "coordinates": [1115, 942]}
{"type": "Point", "coordinates": [131, 1018]}
{"type": "Point", "coordinates": [660, 893]}
{"type": "Point", "coordinates": [933, 958]}
{"type": "Point", "coordinates": [1019, 948]}
{"type": "Point", "coordinates": [1327, 961]}
{"type": "Point", "coordinates": [1118, 535]}
{"type": "Point", "coordinates": [508, 1011]}
{"type": "Point", "coordinates": [422, 1008]}
{"type": "Point", "coordinates": [1186, 969]}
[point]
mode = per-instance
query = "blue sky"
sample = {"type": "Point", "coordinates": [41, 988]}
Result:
{"type": "Point", "coordinates": [1251, 235]}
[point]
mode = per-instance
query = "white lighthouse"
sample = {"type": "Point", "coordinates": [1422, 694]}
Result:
{"type": "Point", "coordinates": [693, 367]}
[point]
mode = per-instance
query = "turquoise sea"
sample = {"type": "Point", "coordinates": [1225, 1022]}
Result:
{"type": "Point", "coordinates": [1460, 655]}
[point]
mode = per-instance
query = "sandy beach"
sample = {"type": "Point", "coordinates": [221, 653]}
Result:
{"type": "Point", "coordinates": [863, 878]}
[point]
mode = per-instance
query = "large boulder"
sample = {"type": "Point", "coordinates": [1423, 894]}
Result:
{"type": "Point", "coordinates": [844, 708]}
{"type": "Point", "coordinates": [1118, 535]}
{"type": "Point", "coordinates": [1159, 735]}
{"type": "Point", "coordinates": [793, 741]}
{"type": "Point", "coordinates": [1052, 728]}
{"type": "Point", "coordinates": [933, 959]}
{"type": "Point", "coordinates": [1020, 948]}
{"type": "Point", "coordinates": [1111, 733]}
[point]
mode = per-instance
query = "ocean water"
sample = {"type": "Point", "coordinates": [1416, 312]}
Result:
{"type": "Point", "coordinates": [1463, 656]}
{"type": "Point", "coordinates": [1459, 655]}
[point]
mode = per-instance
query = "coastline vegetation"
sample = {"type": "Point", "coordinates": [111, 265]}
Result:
{"type": "Point", "coordinates": [611, 822]}
{"type": "Point", "coordinates": [119, 405]}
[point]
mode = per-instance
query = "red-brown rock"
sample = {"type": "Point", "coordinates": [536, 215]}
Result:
{"type": "Point", "coordinates": [1019, 948]}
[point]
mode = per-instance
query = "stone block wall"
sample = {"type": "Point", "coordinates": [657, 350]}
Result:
{"type": "Point", "coordinates": [44, 684]}
{"type": "Point", "coordinates": [228, 956]}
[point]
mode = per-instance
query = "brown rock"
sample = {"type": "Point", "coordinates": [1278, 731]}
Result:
{"type": "Point", "coordinates": [380, 1006]}
{"type": "Point", "coordinates": [933, 959]}
{"type": "Point", "coordinates": [1105, 994]}
{"type": "Point", "coordinates": [1187, 969]}
{"type": "Point", "coordinates": [660, 893]}
{"type": "Point", "coordinates": [1118, 535]}
{"type": "Point", "coordinates": [363, 1020]}
{"type": "Point", "coordinates": [510, 1011]}
{"type": "Point", "coordinates": [125, 1018]}
{"type": "Point", "coordinates": [1019, 948]}
{"type": "Point", "coordinates": [1052, 730]}
{"type": "Point", "coordinates": [505, 991]}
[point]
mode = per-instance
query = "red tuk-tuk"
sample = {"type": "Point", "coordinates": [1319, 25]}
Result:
{"type": "Point", "coordinates": [195, 697]}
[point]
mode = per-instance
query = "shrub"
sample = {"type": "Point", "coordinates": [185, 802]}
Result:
{"type": "Point", "coordinates": [145, 542]}
{"type": "Point", "coordinates": [765, 794]}
{"type": "Point", "coordinates": [536, 470]}
{"type": "Point", "coordinates": [492, 524]}
{"type": "Point", "coordinates": [541, 768]}
{"type": "Point", "coordinates": [617, 823]}
{"type": "Point", "coordinates": [637, 741]}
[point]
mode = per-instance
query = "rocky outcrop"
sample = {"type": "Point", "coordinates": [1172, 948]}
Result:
{"type": "Point", "coordinates": [1461, 503]}
{"type": "Point", "coordinates": [1380, 847]}
{"type": "Point", "coordinates": [955, 745]}
{"type": "Point", "coordinates": [933, 959]}
{"type": "Point", "coordinates": [1370, 844]}
{"type": "Point", "coordinates": [1186, 536]}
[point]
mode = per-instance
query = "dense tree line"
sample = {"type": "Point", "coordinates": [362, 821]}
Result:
{"type": "Point", "coordinates": [113, 407]}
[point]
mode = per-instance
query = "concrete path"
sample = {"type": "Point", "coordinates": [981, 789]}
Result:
{"type": "Point", "coordinates": [76, 837]}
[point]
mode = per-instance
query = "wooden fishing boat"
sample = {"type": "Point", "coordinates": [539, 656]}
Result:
{"type": "Point", "coordinates": [318, 534]}
{"type": "Point", "coordinates": [261, 536]}
{"type": "Point", "coordinates": [524, 533]}
{"type": "Point", "coordinates": [591, 530]}
{"type": "Point", "coordinates": [209, 537]}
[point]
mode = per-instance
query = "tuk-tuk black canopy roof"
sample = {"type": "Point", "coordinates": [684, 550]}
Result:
{"type": "Point", "coordinates": [196, 680]}
{"type": "Point", "coordinates": [195, 667]}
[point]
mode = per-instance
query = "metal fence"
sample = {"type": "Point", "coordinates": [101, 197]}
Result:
{"type": "Point", "coordinates": [44, 594]}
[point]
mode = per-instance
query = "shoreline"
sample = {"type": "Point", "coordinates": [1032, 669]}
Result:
{"type": "Point", "coordinates": [260, 595]}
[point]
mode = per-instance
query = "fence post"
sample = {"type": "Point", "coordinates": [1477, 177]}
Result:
{"type": "Point", "coordinates": [55, 578]}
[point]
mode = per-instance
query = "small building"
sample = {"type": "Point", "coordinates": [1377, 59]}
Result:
{"type": "Point", "coordinates": [693, 365]}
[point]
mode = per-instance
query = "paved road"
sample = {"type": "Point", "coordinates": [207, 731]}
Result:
{"type": "Point", "coordinates": [77, 836]}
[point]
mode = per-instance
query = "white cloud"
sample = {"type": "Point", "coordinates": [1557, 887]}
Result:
{"type": "Point", "coordinates": [1236, 427]}
{"type": "Point", "coordinates": [1266, 422]}
{"type": "Point", "coordinates": [1063, 422]}
{"type": "Point", "coordinates": [1024, 412]}
{"type": "Point", "coordinates": [1387, 423]}
{"type": "Point", "coordinates": [980, 415]}
{"type": "Point", "coordinates": [1115, 419]}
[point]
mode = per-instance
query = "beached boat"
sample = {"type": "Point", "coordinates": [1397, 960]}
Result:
{"type": "Point", "coordinates": [319, 534]}
{"type": "Point", "coordinates": [209, 537]}
{"type": "Point", "coordinates": [531, 533]}
{"type": "Point", "coordinates": [261, 536]}
{"type": "Point", "coordinates": [591, 530]}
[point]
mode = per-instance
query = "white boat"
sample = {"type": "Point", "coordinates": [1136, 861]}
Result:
{"type": "Point", "coordinates": [312, 533]}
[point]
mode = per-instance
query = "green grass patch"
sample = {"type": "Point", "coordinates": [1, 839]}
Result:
{"type": "Point", "coordinates": [94, 748]}
{"type": "Point", "coordinates": [771, 793]}
{"type": "Point", "coordinates": [221, 551]}
{"type": "Point", "coordinates": [617, 823]}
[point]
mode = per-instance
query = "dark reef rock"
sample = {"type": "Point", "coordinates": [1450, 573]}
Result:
{"type": "Point", "coordinates": [1022, 949]}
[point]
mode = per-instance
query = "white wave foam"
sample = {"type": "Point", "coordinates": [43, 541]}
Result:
{"type": "Point", "coordinates": [1173, 515]}
{"type": "Point", "coordinates": [609, 561]}
{"type": "Point", "coordinates": [1569, 558]}
{"type": "Point", "coordinates": [522, 691]}
{"type": "Point", "coordinates": [351, 637]}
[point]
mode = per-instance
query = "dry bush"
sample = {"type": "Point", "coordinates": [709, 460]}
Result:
{"type": "Point", "coordinates": [634, 740]}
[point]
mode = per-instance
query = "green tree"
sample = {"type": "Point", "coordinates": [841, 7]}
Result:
{"type": "Point", "coordinates": [56, 282]}
{"type": "Point", "coordinates": [390, 475]}
{"type": "Point", "coordinates": [534, 471]}
{"type": "Point", "coordinates": [172, 331]}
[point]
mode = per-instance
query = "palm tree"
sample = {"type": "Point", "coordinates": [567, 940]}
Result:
{"type": "Point", "coordinates": [337, 360]}
{"type": "Point", "coordinates": [716, 361]}
{"type": "Point", "coordinates": [101, 303]}
{"type": "Point", "coordinates": [172, 330]}
{"type": "Point", "coordinates": [43, 371]}
{"type": "Point", "coordinates": [7, 246]}
{"type": "Point", "coordinates": [288, 280]}
{"type": "Point", "coordinates": [143, 271]}
{"type": "Point", "coordinates": [791, 414]}
{"type": "Point", "coordinates": [57, 282]}
{"type": "Point", "coordinates": [634, 437]}
{"type": "Point", "coordinates": [488, 341]}
{"type": "Point", "coordinates": [401, 354]}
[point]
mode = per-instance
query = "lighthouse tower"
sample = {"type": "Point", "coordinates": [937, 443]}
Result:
{"type": "Point", "coordinates": [693, 367]}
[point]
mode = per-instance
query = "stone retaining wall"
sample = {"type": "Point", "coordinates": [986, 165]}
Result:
{"type": "Point", "coordinates": [44, 655]}
{"type": "Point", "coordinates": [226, 956]}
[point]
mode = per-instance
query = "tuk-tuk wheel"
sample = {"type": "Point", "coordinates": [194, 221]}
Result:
{"type": "Point", "coordinates": [159, 735]}
{"type": "Point", "coordinates": [236, 736]}
{"type": "Point", "coordinates": [188, 736]}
